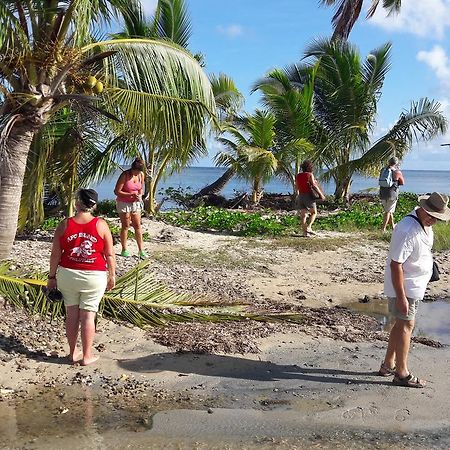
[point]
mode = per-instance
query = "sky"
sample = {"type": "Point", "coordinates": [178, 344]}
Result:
{"type": "Point", "coordinates": [246, 38]}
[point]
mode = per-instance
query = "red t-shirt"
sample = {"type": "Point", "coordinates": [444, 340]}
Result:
{"type": "Point", "coordinates": [82, 247]}
{"type": "Point", "coordinates": [302, 181]}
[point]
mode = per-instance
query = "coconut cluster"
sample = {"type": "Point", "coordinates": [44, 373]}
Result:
{"type": "Point", "coordinates": [93, 84]}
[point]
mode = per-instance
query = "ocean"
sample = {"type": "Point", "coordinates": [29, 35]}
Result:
{"type": "Point", "coordinates": [195, 178]}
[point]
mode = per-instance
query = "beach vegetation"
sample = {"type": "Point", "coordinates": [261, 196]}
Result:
{"type": "Point", "coordinates": [347, 90]}
{"type": "Point", "coordinates": [250, 150]}
{"type": "Point", "coordinates": [48, 52]}
{"type": "Point", "coordinates": [362, 215]}
{"type": "Point", "coordinates": [295, 127]}
{"type": "Point", "coordinates": [225, 257]}
{"type": "Point", "coordinates": [138, 298]}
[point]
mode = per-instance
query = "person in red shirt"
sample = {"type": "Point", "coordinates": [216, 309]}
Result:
{"type": "Point", "coordinates": [306, 203]}
{"type": "Point", "coordinates": [129, 190]}
{"type": "Point", "coordinates": [82, 267]}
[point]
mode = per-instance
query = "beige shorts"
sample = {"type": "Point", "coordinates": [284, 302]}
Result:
{"type": "Point", "coordinates": [413, 305]}
{"type": "Point", "coordinates": [126, 207]}
{"type": "Point", "coordinates": [389, 205]}
{"type": "Point", "coordinates": [84, 288]}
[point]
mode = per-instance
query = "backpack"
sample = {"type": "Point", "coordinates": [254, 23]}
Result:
{"type": "Point", "coordinates": [385, 180]}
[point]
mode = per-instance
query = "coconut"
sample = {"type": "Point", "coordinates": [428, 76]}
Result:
{"type": "Point", "coordinates": [90, 81]}
{"type": "Point", "coordinates": [98, 88]}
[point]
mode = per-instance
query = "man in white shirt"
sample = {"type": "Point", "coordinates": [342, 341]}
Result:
{"type": "Point", "coordinates": [408, 269]}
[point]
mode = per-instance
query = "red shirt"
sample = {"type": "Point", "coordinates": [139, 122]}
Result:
{"type": "Point", "coordinates": [302, 181]}
{"type": "Point", "coordinates": [82, 247]}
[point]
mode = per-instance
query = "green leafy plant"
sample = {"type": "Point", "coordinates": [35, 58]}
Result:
{"type": "Point", "coordinates": [137, 298]}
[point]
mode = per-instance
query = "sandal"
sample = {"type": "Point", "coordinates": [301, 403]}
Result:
{"type": "Point", "coordinates": [409, 381]}
{"type": "Point", "coordinates": [386, 371]}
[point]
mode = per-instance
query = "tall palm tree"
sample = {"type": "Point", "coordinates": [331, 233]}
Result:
{"type": "Point", "coordinates": [347, 13]}
{"type": "Point", "coordinates": [49, 61]}
{"type": "Point", "coordinates": [171, 22]}
{"type": "Point", "coordinates": [347, 90]}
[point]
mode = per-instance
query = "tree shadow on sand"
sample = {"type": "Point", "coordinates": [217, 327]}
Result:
{"type": "Point", "coordinates": [241, 368]}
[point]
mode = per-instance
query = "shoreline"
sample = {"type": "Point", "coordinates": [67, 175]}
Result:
{"type": "Point", "coordinates": [319, 376]}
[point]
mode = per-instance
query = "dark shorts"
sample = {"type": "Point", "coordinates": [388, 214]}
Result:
{"type": "Point", "coordinates": [305, 201]}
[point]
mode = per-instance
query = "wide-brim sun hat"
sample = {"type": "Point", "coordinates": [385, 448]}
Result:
{"type": "Point", "coordinates": [436, 205]}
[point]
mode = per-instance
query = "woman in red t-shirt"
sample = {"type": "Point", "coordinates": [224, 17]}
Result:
{"type": "Point", "coordinates": [306, 203]}
{"type": "Point", "coordinates": [82, 267]}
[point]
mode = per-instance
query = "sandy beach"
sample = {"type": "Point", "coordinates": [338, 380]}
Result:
{"type": "Point", "coordinates": [232, 385]}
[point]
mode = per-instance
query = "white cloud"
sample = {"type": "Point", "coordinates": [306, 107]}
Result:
{"type": "Point", "coordinates": [232, 31]}
{"type": "Point", "coordinates": [438, 61]}
{"type": "Point", "coordinates": [425, 18]}
{"type": "Point", "coordinates": [149, 6]}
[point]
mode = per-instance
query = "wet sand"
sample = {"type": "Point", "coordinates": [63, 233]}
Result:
{"type": "Point", "coordinates": [310, 387]}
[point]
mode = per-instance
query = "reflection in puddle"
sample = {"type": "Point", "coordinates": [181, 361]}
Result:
{"type": "Point", "coordinates": [432, 319]}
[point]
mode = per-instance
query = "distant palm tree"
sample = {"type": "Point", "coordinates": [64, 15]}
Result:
{"type": "Point", "coordinates": [347, 90]}
{"type": "Point", "coordinates": [347, 13]}
{"type": "Point", "coordinates": [48, 61]}
{"type": "Point", "coordinates": [249, 151]}
{"type": "Point", "coordinates": [296, 128]}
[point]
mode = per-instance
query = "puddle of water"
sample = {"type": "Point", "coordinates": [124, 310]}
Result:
{"type": "Point", "coordinates": [432, 319]}
{"type": "Point", "coordinates": [77, 417]}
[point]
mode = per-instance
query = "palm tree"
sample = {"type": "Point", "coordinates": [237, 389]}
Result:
{"type": "Point", "coordinates": [49, 61]}
{"type": "Point", "coordinates": [250, 150]}
{"type": "Point", "coordinates": [171, 22]}
{"type": "Point", "coordinates": [347, 90]}
{"type": "Point", "coordinates": [292, 105]}
{"type": "Point", "coordinates": [347, 13]}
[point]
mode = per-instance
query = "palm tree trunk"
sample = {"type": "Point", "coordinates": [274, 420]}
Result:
{"type": "Point", "coordinates": [218, 185]}
{"type": "Point", "coordinates": [342, 188]}
{"type": "Point", "coordinates": [12, 171]}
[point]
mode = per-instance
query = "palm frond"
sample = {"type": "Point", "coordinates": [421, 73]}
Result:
{"type": "Point", "coordinates": [137, 298]}
{"type": "Point", "coordinates": [160, 88]}
{"type": "Point", "coordinates": [174, 22]}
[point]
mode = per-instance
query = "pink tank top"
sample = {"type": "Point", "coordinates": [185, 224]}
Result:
{"type": "Point", "coordinates": [130, 186]}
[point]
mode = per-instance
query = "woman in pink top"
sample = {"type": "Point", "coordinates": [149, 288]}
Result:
{"type": "Point", "coordinates": [129, 190]}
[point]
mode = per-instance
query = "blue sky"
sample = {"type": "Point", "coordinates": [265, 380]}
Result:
{"type": "Point", "coordinates": [247, 38]}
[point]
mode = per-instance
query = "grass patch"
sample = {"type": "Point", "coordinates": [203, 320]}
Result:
{"type": "Point", "coordinates": [308, 245]}
{"type": "Point", "coordinates": [224, 258]}
{"type": "Point", "coordinates": [441, 236]}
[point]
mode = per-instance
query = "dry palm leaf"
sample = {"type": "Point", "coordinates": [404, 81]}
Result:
{"type": "Point", "coordinates": [137, 298]}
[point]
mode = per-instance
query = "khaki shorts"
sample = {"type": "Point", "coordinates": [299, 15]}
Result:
{"type": "Point", "coordinates": [84, 288]}
{"type": "Point", "coordinates": [126, 207]}
{"type": "Point", "coordinates": [413, 305]}
{"type": "Point", "coordinates": [389, 205]}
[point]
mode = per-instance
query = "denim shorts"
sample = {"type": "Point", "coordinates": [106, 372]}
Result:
{"type": "Point", "coordinates": [413, 305]}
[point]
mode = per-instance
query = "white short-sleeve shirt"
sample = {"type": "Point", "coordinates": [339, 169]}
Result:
{"type": "Point", "coordinates": [411, 246]}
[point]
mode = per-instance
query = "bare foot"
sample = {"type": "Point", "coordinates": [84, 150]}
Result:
{"type": "Point", "coordinates": [76, 357]}
{"type": "Point", "coordinates": [87, 361]}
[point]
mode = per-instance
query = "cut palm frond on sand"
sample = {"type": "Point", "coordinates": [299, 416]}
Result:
{"type": "Point", "coordinates": [137, 298]}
